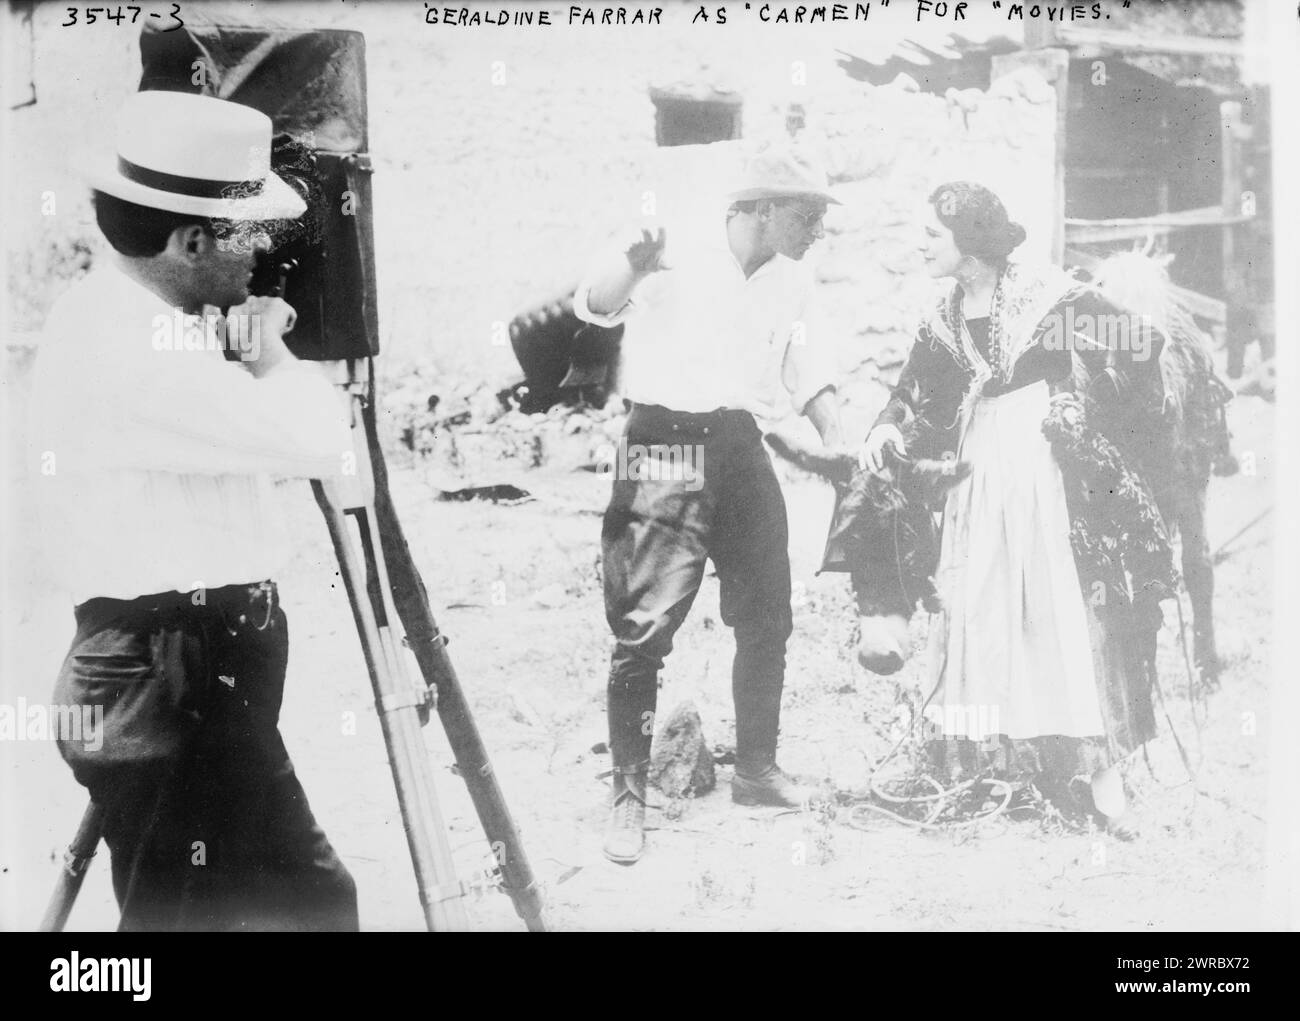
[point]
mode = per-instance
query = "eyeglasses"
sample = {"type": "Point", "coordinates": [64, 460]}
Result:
{"type": "Point", "coordinates": [810, 220]}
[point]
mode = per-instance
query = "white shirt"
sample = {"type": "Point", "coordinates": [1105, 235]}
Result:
{"type": "Point", "coordinates": [700, 336]}
{"type": "Point", "coordinates": [155, 465]}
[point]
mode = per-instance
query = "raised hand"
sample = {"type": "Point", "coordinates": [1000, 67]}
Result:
{"type": "Point", "coordinates": [646, 256]}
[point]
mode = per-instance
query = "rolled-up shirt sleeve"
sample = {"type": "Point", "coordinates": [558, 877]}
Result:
{"type": "Point", "coordinates": [808, 367]}
{"type": "Point", "coordinates": [612, 256]}
{"type": "Point", "coordinates": [583, 311]}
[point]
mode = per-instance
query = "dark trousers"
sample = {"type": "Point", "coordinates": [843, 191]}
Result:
{"type": "Point", "coordinates": [205, 820]}
{"type": "Point", "coordinates": [658, 533]}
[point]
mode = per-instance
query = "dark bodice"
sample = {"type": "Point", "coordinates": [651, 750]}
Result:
{"type": "Point", "coordinates": [936, 378]}
{"type": "Point", "coordinates": [1036, 364]}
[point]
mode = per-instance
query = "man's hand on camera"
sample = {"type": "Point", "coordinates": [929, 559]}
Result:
{"type": "Point", "coordinates": [275, 318]}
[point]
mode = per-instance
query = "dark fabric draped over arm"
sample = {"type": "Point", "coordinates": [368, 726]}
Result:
{"type": "Point", "coordinates": [1119, 355]}
{"type": "Point", "coordinates": [1128, 349]}
{"type": "Point", "coordinates": [1119, 352]}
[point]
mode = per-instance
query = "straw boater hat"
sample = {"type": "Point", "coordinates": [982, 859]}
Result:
{"type": "Point", "coordinates": [186, 153]}
{"type": "Point", "coordinates": [782, 173]}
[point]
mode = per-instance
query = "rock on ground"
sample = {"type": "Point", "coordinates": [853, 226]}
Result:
{"type": "Point", "coordinates": [681, 763]}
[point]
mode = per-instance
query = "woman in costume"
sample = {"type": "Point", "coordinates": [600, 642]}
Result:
{"type": "Point", "coordinates": [1032, 678]}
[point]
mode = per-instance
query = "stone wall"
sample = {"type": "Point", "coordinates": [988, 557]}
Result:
{"type": "Point", "coordinates": [529, 177]}
{"type": "Point", "coordinates": [889, 147]}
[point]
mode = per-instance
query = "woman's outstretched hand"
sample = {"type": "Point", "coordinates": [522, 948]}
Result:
{"type": "Point", "coordinates": [872, 456]}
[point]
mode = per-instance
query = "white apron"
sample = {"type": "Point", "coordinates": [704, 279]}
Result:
{"type": "Point", "coordinates": [1010, 652]}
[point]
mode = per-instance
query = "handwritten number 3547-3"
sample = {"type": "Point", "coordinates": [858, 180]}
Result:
{"type": "Point", "coordinates": [92, 15]}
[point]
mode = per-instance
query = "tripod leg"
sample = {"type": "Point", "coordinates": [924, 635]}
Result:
{"type": "Point", "coordinates": [429, 646]}
{"type": "Point", "coordinates": [426, 835]}
{"type": "Point", "coordinates": [489, 801]}
{"type": "Point", "coordinates": [75, 862]}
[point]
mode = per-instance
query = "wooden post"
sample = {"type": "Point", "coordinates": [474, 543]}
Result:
{"type": "Point", "coordinates": [1054, 65]}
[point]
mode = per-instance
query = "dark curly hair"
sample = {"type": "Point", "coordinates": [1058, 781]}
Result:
{"type": "Point", "coordinates": [978, 221]}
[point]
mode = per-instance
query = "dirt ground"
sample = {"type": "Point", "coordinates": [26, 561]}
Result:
{"type": "Point", "coordinates": [517, 589]}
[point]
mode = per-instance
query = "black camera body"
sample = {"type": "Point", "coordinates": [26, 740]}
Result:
{"type": "Point", "coordinates": [312, 84]}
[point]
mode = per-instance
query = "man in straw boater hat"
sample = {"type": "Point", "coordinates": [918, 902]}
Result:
{"type": "Point", "coordinates": [720, 321]}
{"type": "Point", "coordinates": [162, 453]}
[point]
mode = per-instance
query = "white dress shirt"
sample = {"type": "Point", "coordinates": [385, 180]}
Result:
{"type": "Point", "coordinates": [700, 336]}
{"type": "Point", "coordinates": [155, 465]}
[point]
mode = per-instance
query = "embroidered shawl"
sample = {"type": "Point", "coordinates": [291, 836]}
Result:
{"type": "Point", "coordinates": [1025, 295]}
